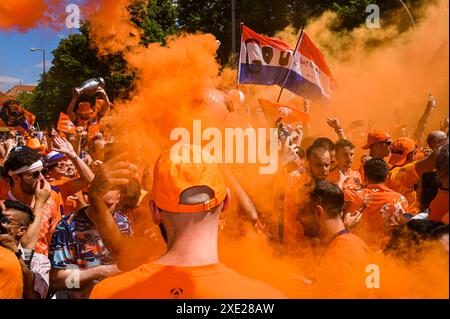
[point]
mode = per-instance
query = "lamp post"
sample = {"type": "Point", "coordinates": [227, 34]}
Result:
{"type": "Point", "coordinates": [233, 31]}
{"type": "Point", "coordinates": [43, 76]}
{"type": "Point", "coordinates": [409, 14]}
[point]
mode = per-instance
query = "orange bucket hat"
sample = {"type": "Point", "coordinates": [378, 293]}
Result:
{"type": "Point", "coordinates": [84, 108]}
{"type": "Point", "coordinates": [376, 137]}
{"type": "Point", "coordinates": [400, 150]}
{"type": "Point", "coordinates": [174, 174]}
{"type": "Point", "coordinates": [35, 144]}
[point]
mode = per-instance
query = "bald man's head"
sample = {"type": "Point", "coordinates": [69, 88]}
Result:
{"type": "Point", "coordinates": [435, 139]}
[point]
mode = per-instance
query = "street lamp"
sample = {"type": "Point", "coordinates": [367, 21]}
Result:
{"type": "Point", "coordinates": [409, 14]}
{"type": "Point", "coordinates": [43, 77]}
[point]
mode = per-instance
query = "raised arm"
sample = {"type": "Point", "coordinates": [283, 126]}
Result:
{"type": "Point", "coordinates": [86, 175]}
{"type": "Point", "coordinates": [334, 123]}
{"type": "Point", "coordinates": [41, 196]}
{"type": "Point", "coordinates": [424, 118]}
{"type": "Point", "coordinates": [106, 104]}
{"type": "Point", "coordinates": [71, 107]}
{"type": "Point", "coordinates": [114, 173]}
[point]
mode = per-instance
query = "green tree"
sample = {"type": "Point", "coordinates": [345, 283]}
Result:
{"type": "Point", "coordinates": [76, 60]}
{"type": "Point", "coordinates": [157, 18]}
{"type": "Point", "coordinates": [25, 99]}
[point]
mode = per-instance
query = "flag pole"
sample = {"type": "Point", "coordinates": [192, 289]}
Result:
{"type": "Point", "coordinates": [239, 56]}
{"type": "Point", "coordinates": [293, 56]}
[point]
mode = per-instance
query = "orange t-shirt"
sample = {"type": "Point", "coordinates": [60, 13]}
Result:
{"type": "Point", "coordinates": [439, 206]}
{"type": "Point", "coordinates": [52, 213]}
{"type": "Point", "coordinates": [402, 179]}
{"type": "Point", "coordinates": [155, 281]}
{"type": "Point", "coordinates": [342, 269]}
{"type": "Point", "coordinates": [354, 182]}
{"type": "Point", "coordinates": [11, 280]}
{"type": "Point", "coordinates": [383, 211]}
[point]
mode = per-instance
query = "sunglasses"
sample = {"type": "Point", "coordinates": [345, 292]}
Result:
{"type": "Point", "coordinates": [387, 143]}
{"type": "Point", "coordinates": [34, 174]}
{"type": "Point", "coordinates": [6, 220]}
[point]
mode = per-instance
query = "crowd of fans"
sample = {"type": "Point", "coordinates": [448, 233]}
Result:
{"type": "Point", "coordinates": [71, 216]}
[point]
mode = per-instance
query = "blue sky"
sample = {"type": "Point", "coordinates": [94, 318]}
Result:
{"type": "Point", "coordinates": [18, 63]}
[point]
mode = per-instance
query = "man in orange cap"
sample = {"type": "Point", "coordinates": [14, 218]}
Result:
{"type": "Point", "coordinates": [379, 144]}
{"type": "Point", "coordinates": [406, 170]}
{"type": "Point", "coordinates": [86, 116]}
{"type": "Point", "coordinates": [189, 196]}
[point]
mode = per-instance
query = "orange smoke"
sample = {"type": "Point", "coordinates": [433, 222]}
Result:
{"type": "Point", "coordinates": [23, 15]}
{"type": "Point", "coordinates": [111, 29]}
{"type": "Point", "coordinates": [391, 78]}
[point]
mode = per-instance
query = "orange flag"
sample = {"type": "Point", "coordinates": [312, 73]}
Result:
{"type": "Point", "coordinates": [289, 112]}
{"type": "Point", "coordinates": [65, 124]}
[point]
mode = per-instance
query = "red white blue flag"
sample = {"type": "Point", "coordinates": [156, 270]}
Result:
{"type": "Point", "coordinates": [267, 61]}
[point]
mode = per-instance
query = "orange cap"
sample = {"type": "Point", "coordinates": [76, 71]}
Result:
{"type": "Point", "coordinates": [170, 179]}
{"type": "Point", "coordinates": [35, 144]}
{"type": "Point", "coordinates": [376, 137]}
{"type": "Point", "coordinates": [84, 108]}
{"type": "Point", "coordinates": [400, 150]}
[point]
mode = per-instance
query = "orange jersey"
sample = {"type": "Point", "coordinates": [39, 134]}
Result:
{"type": "Point", "coordinates": [439, 206]}
{"type": "Point", "coordinates": [402, 179]}
{"type": "Point", "coordinates": [384, 209]}
{"type": "Point", "coordinates": [52, 213]}
{"type": "Point", "coordinates": [65, 187]}
{"type": "Point", "coordinates": [354, 182]}
{"type": "Point", "coordinates": [154, 281]}
{"type": "Point", "coordinates": [11, 280]}
{"type": "Point", "coordinates": [342, 269]}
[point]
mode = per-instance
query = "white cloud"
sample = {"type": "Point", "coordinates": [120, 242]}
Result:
{"type": "Point", "coordinates": [6, 82]}
{"type": "Point", "coordinates": [8, 79]}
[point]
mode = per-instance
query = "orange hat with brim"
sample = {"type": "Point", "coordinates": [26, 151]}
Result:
{"type": "Point", "coordinates": [84, 108]}
{"type": "Point", "coordinates": [400, 150]}
{"type": "Point", "coordinates": [376, 137]}
{"type": "Point", "coordinates": [174, 174]}
{"type": "Point", "coordinates": [35, 144]}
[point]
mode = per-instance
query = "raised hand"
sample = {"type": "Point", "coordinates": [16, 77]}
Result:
{"type": "Point", "coordinates": [114, 173]}
{"type": "Point", "coordinates": [63, 146]}
{"type": "Point", "coordinates": [351, 220]}
{"type": "Point", "coordinates": [333, 123]}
